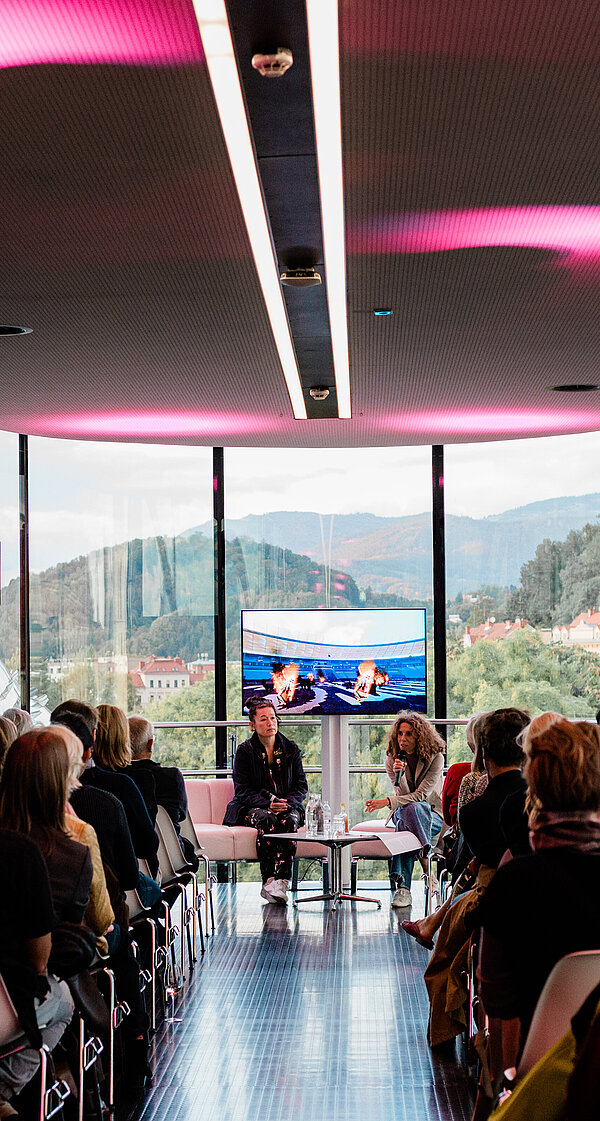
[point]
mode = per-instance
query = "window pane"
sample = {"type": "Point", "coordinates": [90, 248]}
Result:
{"type": "Point", "coordinates": [10, 688]}
{"type": "Point", "coordinates": [122, 584]}
{"type": "Point", "coordinates": [326, 528]}
{"type": "Point", "coordinates": [523, 578]}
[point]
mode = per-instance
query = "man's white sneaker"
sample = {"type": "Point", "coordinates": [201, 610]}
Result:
{"type": "Point", "coordinates": [402, 898]}
{"type": "Point", "coordinates": [278, 890]}
{"type": "Point", "coordinates": [265, 891]}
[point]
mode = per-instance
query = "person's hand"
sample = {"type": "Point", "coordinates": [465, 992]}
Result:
{"type": "Point", "coordinates": [399, 765]}
{"type": "Point", "coordinates": [278, 806]}
{"type": "Point", "coordinates": [375, 804]}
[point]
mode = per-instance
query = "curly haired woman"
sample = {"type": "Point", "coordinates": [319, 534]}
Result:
{"type": "Point", "coordinates": [414, 762]}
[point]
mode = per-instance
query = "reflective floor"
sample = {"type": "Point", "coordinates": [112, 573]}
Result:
{"type": "Point", "coordinates": [305, 1014]}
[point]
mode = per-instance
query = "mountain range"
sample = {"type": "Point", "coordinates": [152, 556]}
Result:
{"type": "Point", "coordinates": [394, 554]}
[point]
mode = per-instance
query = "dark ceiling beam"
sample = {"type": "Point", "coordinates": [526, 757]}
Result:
{"type": "Point", "coordinates": [280, 115]}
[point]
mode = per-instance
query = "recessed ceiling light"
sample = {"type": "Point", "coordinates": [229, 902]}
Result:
{"type": "Point", "coordinates": [575, 388]}
{"type": "Point", "coordinates": [6, 329]}
{"type": "Point", "coordinates": [381, 311]}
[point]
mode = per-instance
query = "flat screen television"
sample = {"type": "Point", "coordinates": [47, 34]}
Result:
{"type": "Point", "coordinates": [325, 663]}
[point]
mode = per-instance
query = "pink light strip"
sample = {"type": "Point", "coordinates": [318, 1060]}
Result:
{"type": "Point", "coordinates": [156, 424]}
{"type": "Point", "coordinates": [572, 231]}
{"type": "Point", "coordinates": [143, 32]}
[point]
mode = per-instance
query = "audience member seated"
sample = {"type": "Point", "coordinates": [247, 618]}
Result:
{"type": "Point", "coordinates": [270, 787]}
{"type": "Point", "coordinates": [169, 783]}
{"type": "Point", "coordinates": [122, 958]}
{"type": "Point", "coordinates": [36, 781]}
{"type": "Point", "coordinates": [104, 812]}
{"type": "Point", "coordinates": [480, 823]}
{"type": "Point", "coordinates": [8, 735]}
{"type": "Point", "coordinates": [414, 763]}
{"type": "Point", "coordinates": [20, 718]}
{"type": "Point", "coordinates": [544, 905]}
{"type": "Point", "coordinates": [25, 943]}
{"type": "Point", "coordinates": [145, 841]}
{"type": "Point", "coordinates": [456, 851]}
{"type": "Point", "coordinates": [113, 751]}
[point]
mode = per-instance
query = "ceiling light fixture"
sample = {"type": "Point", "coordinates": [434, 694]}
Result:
{"type": "Point", "coordinates": [212, 21]}
{"type": "Point", "coordinates": [7, 329]}
{"type": "Point", "coordinates": [323, 39]}
{"type": "Point", "coordinates": [577, 387]}
{"type": "Point", "coordinates": [380, 312]}
{"type": "Point", "coordinates": [301, 278]}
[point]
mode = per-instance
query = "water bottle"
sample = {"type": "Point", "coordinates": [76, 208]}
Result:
{"type": "Point", "coordinates": [327, 819]}
{"type": "Point", "coordinates": [344, 816]}
{"type": "Point", "coordinates": [319, 816]}
{"type": "Point", "coordinates": [310, 816]}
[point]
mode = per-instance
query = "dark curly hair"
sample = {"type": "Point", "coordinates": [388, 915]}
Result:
{"type": "Point", "coordinates": [429, 743]}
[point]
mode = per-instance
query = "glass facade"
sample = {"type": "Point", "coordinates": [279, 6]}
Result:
{"type": "Point", "coordinates": [122, 580]}
{"type": "Point", "coordinates": [121, 557]}
{"type": "Point", "coordinates": [522, 547]}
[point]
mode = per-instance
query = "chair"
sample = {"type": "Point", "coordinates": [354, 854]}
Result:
{"type": "Point", "coordinates": [138, 917]}
{"type": "Point", "coordinates": [188, 831]}
{"type": "Point", "coordinates": [570, 982]}
{"type": "Point", "coordinates": [184, 871]}
{"type": "Point", "coordinates": [174, 886]}
{"type": "Point", "coordinates": [53, 1096]}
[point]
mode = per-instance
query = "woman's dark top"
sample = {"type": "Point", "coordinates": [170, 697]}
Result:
{"type": "Point", "coordinates": [106, 814]}
{"type": "Point", "coordinates": [536, 909]}
{"type": "Point", "coordinates": [145, 841]}
{"type": "Point", "coordinates": [69, 867]}
{"type": "Point", "coordinates": [255, 782]}
{"type": "Point", "coordinates": [479, 820]}
{"type": "Point", "coordinates": [26, 895]}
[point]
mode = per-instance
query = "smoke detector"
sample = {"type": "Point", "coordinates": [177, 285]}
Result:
{"type": "Point", "coordinates": [301, 278]}
{"type": "Point", "coordinates": [273, 64]}
{"type": "Point", "coordinates": [319, 392]}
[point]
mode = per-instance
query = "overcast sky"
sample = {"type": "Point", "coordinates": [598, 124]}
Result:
{"type": "Point", "coordinates": [86, 495]}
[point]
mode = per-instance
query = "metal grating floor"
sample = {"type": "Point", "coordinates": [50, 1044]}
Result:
{"type": "Point", "coordinates": [304, 1014]}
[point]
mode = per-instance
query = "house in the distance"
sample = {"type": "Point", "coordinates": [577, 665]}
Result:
{"type": "Point", "coordinates": [492, 631]}
{"type": "Point", "coordinates": [157, 678]}
{"type": "Point", "coordinates": [584, 631]}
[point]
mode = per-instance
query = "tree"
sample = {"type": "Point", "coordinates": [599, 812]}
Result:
{"type": "Point", "coordinates": [523, 671]}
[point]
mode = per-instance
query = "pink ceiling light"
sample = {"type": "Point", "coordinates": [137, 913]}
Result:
{"type": "Point", "coordinates": [571, 231]}
{"type": "Point", "coordinates": [147, 424]}
{"type": "Point", "coordinates": [142, 32]}
{"type": "Point", "coordinates": [489, 422]}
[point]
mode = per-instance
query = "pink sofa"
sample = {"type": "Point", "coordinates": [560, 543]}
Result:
{"type": "Point", "coordinates": [207, 800]}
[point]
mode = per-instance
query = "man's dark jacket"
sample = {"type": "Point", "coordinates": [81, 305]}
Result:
{"type": "Point", "coordinates": [252, 781]}
{"type": "Point", "coordinates": [169, 785]}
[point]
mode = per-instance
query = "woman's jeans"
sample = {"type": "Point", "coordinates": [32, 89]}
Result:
{"type": "Point", "coordinates": [420, 819]}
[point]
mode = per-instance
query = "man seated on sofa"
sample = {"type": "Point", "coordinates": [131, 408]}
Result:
{"type": "Point", "coordinates": [270, 787]}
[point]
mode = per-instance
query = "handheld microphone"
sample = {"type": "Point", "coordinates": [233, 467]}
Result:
{"type": "Point", "coordinates": [403, 757]}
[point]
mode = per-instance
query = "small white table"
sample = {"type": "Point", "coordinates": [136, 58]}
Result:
{"type": "Point", "coordinates": [335, 845]}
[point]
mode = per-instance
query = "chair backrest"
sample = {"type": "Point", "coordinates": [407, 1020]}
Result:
{"type": "Point", "coordinates": [570, 982]}
{"type": "Point", "coordinates": [186, 828]}
{"type": "Point", "coordinates": [165, 827]}
{"type": "Point", "coordinates": [10, 1027]}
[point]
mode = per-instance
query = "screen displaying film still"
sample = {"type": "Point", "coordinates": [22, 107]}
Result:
{"type": "Point", "coordinates": [325, 663]}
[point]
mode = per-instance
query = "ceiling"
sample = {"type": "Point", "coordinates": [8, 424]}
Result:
{"type": "Point", "coordinates": [471, 155]}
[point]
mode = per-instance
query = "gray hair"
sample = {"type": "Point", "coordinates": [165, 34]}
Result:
{"type": "Point", "coordinates": [20, 718]}
{"type": "Point", "coordinates": [141, 731]}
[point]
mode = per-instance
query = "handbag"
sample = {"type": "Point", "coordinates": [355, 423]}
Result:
{"type": "Point", "coordinates": [73, 949]}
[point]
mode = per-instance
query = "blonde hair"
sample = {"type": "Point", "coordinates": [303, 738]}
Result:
{"type": "Point", "coordinates": [562, 764]}
{"type": "Point", "coordinates": [112, 749]}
